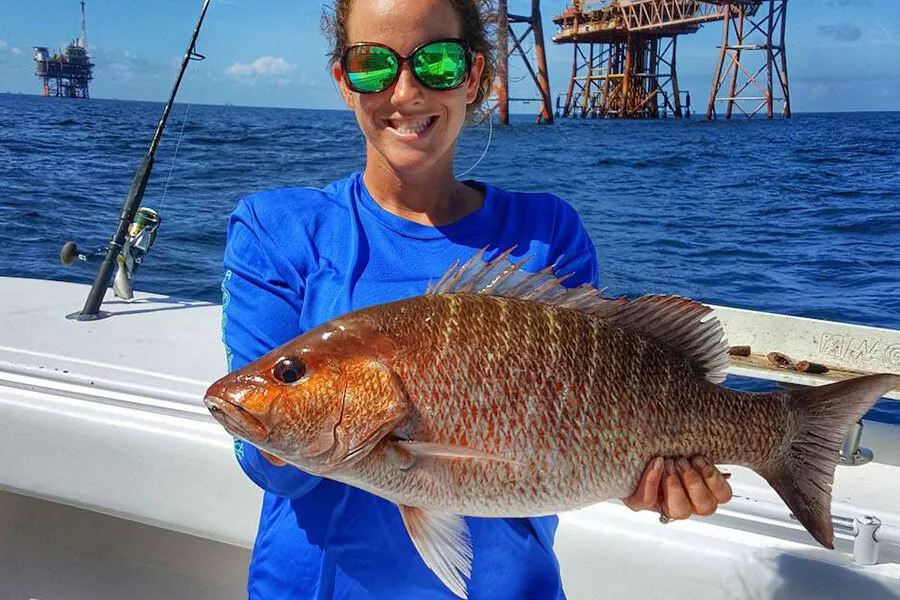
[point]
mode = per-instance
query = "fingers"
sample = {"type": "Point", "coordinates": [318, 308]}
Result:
{"type": "Point", "coordinates": [646, 496]}
{"type": "Point", "coordinates": [676, 504]}
{"type": "Point", "coordinates": [702, 500]}
{"type": "Point", "coordinates": [679, 488]}
{"type": "Point", "coordinates": [715, 481]}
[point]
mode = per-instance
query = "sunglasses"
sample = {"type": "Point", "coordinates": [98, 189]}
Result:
{"type": "Point", "coordinates": [370, 68]}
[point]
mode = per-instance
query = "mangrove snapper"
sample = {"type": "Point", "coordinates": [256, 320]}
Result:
{"type": "Point", "coordinates": [504, 394]}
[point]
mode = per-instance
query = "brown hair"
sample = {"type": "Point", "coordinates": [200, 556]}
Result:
{"type": "Point", "coordinates": [474, 16]}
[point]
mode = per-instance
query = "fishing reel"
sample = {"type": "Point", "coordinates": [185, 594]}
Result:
{"type": "Point", "coordinates": [138, 241]}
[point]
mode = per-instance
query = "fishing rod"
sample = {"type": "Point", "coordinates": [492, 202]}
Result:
{"type": "Point", "coordinates": [91, 310]}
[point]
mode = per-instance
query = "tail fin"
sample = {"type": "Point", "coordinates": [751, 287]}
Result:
{"type": "Point", "coordinates": [823, 415]}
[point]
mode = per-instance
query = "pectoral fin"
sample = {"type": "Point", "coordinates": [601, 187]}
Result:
{"type": "Point", "coordinates": [430, 450]}
{"type": "Point", "coordinates": [443, 543]}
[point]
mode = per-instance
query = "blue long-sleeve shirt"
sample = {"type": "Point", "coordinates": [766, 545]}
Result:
{"type": "Point", "coordinates": [296, 258]}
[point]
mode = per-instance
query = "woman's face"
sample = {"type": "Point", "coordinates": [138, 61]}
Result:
{"type": "Point", "coordinates": [408, 127]}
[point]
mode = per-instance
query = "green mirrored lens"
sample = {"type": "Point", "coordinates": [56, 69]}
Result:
{"type": "Point", "coordinates": [441, 65]}
{"type": "Point", "coordinates": [371, 68]}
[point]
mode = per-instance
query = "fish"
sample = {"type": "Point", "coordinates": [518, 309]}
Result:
{"type": "Point", "coordinates": [502, 393]}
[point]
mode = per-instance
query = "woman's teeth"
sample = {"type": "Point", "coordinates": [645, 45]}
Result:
{"type": "Point", "coordinates": [412, 127]}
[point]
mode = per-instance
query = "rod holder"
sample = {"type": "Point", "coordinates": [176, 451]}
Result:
{"type": "Point", "coordinates": [851, 454]}
{"type": "Point", "coordinates": [865, 544]}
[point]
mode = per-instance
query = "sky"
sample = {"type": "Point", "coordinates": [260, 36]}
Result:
{"type": "Point", "coordinates": [843, 55]}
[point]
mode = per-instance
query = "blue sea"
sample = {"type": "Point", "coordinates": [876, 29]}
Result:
{"type": "Point", "coordinates": [800, 216]}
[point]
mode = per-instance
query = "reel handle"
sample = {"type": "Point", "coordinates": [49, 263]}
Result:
{"type": "Point", "coordinates": [70, 253]}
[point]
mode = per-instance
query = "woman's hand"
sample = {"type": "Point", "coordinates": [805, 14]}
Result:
{"type": "Point", "coordinates": [678, 488]}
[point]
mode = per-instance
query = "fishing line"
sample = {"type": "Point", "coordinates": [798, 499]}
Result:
{"type": "Point", "coordinates": [162, 202]}
{"type": "Point", "coordinates": [490, 121]}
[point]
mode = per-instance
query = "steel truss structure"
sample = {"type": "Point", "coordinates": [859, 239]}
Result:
{"type": "Point", "coordinates": [749, 70]}
{"type": "Point", "coordinates": [633, 79]}
{"type": "Point", "coordinates": [625, 54]}
{"type": "Point", "coordinates": [511, 42]}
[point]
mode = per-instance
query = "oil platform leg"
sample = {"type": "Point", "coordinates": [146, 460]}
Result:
{"type": "Point", "coordinates": [673, 74]}
{"type": "Point", "coordinates": [745, 74]}
{"type": "Point", "coordinates": [717, 76]}
{"type": "Point", "coordinates": [613, 62]}
{"type": "Point", "coordinates": [590, 106]}
{"type": "Point", "coordinates": [509, 41]}
{"type": "Point", "coordinates": [543, 78]}
{"type": "Point", "coordinates": [503, 61]}
{"type": "Point", "coordinates": [783, 74]}
{"type": "Point", "coordinates": [567, 110]}
{"type": "Point", "coordinates": [735, 68]}
{"type": "Point", "coordinates": [653, 87]}
{"type": "Point", "coordinates": [627, 78]}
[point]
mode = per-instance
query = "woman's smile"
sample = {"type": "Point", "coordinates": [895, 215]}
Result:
{"type": "Point", "coordinates": [411, 129]}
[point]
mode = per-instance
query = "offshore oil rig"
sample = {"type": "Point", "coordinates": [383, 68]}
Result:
{"type": "Point", "coordinates": [625, 57]}
{"type": "Point", "coordinates": [65, 74]}
{"type": "Point", "coordinates": [624, 61]}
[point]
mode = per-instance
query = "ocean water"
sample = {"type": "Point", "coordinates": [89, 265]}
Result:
{"type": "Point", "coordinates": [800, 217]}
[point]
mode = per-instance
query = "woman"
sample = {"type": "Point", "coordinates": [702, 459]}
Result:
{"type": "Point", "coordinates": [412, 71]}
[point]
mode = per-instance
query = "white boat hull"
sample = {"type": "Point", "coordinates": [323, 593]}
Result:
{"type": "Point", "coordinates": [115, 482]}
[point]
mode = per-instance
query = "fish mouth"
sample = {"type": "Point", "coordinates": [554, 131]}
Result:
{"type": "Point", "coordinates": [236, 420]}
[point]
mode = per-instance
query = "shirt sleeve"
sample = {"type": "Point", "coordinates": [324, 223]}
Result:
{"type": "Point", "coordinates": [572, 249]}
{"type": "Point", "coordinates": [262, 296]}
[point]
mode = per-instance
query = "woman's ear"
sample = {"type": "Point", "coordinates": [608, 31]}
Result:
{"type": "Point", "coordinates": [473, 84]}
{"type": "Point", "coordinates": [338, 73]}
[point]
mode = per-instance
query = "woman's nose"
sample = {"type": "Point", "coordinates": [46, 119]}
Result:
{"type": "Point", "coordinates": [407, 89]}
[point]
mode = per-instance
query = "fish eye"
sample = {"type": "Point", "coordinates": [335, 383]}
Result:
{"type": "Point", "coordinates": [289, 370]}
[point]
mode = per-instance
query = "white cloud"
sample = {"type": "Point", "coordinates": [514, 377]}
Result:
{"type": "Point", "coordinates": [6, 49]}
{"type": "Point", "coordinates": [265, 67]}
{"type": "Point", "coordinates": [119, 65]}
{"type": "Point", "coordinates": [842, 32]}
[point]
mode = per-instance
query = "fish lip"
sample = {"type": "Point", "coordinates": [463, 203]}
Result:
{"type": "Point", "coordinates": [236, 420]}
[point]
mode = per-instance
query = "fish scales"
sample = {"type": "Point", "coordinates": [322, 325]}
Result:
{"type": "Point", "coordinates": [580, 404]}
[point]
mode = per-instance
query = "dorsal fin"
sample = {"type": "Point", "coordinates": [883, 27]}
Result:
{"type": "Point", "coordinates": [682, 324]}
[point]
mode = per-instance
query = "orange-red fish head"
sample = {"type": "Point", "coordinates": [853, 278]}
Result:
{"type": "Point", "coordinates": [321, 401]}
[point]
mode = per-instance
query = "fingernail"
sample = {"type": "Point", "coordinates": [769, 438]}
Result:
{"type": "Point", "coordinates": [683, 465]}
{"type": "Point", "coordinates": [670, 466]}
{"type": "Point", "coordinates": [701, 462]}
{"type": "Point", "coordinates": [658, 464]}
